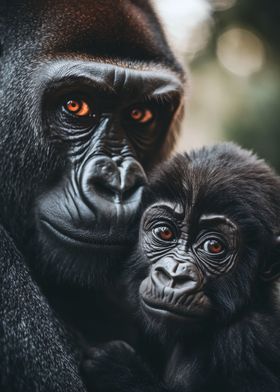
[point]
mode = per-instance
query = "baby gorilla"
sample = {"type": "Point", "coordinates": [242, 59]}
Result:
{"type": "Point", "coordinates": [203, 280]}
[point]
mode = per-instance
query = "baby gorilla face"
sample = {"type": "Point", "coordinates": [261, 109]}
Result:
{"type": "Point", "coordinates": [207, 236]}
{"type": "Point", "coordinates": [184, 252]}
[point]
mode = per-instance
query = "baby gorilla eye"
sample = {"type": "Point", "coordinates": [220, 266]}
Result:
{"type": "Point", "coordinates": [78, 107]}
{"type": "Point", "coordinates": [213, 246]}
{"type": "Point", "coordinates": [141, 115]}
{"type": "Point", "coordinates": [165, 233]}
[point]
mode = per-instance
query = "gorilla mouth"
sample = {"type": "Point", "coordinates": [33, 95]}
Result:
{"type": "Point", "coordinates": [168, 301]}
{"type": "Point", "coordinates": [83, 237]}
{"type": "Point", "coordinates": [166, 309]}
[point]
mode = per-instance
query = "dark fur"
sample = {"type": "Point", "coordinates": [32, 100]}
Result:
{"type": "Point", "coordinates": [35, 354]}
{"type": "Point", "coordinates": [238, 348]}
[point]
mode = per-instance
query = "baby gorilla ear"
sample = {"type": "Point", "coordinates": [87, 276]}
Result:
{"type": "Point", "coordinates": [271, 269]}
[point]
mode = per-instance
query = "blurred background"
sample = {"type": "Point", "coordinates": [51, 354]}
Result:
{"type": "Point", "coordinates": [232, 49]}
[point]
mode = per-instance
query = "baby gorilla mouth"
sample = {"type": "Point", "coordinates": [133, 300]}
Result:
{"type": "Point", "coordinates": [178, 310]}
{"type": "Point", "coordinates": [165, 301]}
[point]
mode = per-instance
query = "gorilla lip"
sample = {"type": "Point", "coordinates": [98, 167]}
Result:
{"type": "Point", "coordinates": [162, 307]}
{"type": "Point", "coordinates": [82, 239]}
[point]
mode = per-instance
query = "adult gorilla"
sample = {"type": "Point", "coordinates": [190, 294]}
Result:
{"type": "Point", "coordinates": [90, 94]}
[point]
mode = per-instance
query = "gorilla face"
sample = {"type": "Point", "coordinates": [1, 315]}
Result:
{"type": "Point", "coordinates": [208, 238]}
{"type": "Point", "coordinates": [183, 259]}
{"type": "Point", "coordinates": [90, 98]}
{"type": "Point", "coordinates": [107, 121]}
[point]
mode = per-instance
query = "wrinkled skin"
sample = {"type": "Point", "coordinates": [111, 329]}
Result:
{"type": "Point", "coordinates": [91, 96]}
{"type": "Point", "coordinates": [202, 280]}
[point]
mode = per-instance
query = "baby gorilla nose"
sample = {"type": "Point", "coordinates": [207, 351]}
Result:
{"type": "Point", "coordinates": [179, 276]}
{"type": "Point", "coordinates": [173, 289]}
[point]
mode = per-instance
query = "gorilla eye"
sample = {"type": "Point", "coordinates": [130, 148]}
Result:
{"type": "Point", "coordinates": [78, 107]}
{"type": "Point", "coordinates": [141, 115]}
{"type": "Point", "coordinates": [165, 233]}
{"type": "Point", "coordinates": [213, 246]}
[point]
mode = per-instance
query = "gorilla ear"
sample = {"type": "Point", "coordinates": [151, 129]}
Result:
{"type": "Point", "coordinates": [271, 269]}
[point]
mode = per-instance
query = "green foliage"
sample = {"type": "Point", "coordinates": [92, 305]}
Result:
{"type": "Point", "coordinates": [257, 125]}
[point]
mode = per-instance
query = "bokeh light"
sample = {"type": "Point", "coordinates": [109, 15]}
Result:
{"type": "Point", "coordinates": [241, 51]}
{"type": "Point", "coordinates": [233, 51]}
{"type": "Point", "coordinates": [222, 5]}
{"type": "Point", "coordinates": [184, 19]}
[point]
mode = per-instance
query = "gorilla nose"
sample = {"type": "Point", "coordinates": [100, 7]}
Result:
{"type": "Point", "coordinates": [177, 275]}
{"type": "Point", "coordinates": [117, 179]}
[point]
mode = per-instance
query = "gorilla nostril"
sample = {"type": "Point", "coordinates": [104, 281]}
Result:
{"type": "Point", "coordinates": [132, 187]}
{"type": "Point", "coordinates": [126, 195]}
{"type": "Point", "coordinates": [104, 189]}
{"type": "Point", "coordinates": [163, 276]}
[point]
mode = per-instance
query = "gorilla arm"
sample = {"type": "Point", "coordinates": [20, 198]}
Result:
{"type": "Point", "coordinates": [115, 367]}
{"type": "Point", "coordinates": [33, 354]}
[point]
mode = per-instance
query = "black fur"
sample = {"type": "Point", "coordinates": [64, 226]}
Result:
{"type": "Point", "coordinates": [235, 347]}
{"type": "Point", "coordinates": [49, 292]}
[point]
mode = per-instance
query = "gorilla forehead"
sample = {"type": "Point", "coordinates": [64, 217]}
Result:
{"type": "Point", "coordinates": [111, 79]}
{"type": "Point", "coordinates": [220, 179]}
{"type": "Point", "coordinates": [133, 22]}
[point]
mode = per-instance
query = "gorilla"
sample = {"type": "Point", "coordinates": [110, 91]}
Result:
{"type": "Point", "coordinates": [91, 99]}
{"type": "Point", "coordinates": [202, 280]}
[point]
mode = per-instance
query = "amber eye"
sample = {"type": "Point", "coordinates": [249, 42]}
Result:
{"type": "Point", "coordinates": [78, 107]}
{"type": "Point", "coordinates": [165, 233]}
{"type": "Point", "coordinates": [213, 246]}
{"type": "Point", "coordinates": [141, 115]}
